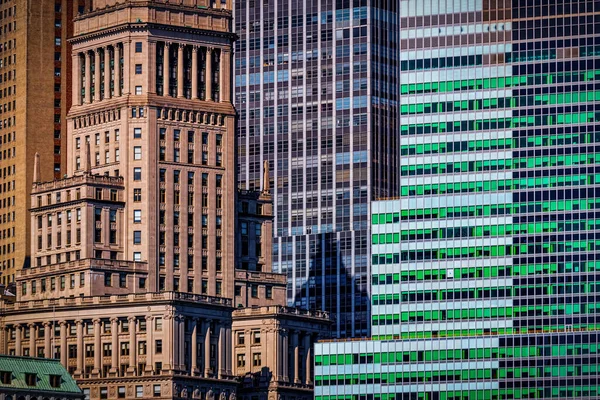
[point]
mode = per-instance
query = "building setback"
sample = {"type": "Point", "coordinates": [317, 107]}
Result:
{"type": "Point", "coordinates": [484, 269]}
{"type": "Point", "coordinates": [316, 87]}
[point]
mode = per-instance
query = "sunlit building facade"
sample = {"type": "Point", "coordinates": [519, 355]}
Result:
{"type": "Point", "coordinates": [484, 270]}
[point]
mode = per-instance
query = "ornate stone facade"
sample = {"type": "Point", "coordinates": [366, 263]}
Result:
{"type": "Point", "coordinates": [133, 279]}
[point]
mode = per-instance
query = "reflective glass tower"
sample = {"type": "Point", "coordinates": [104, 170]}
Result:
{"type": "Point", "coordinates": [485, 270]}
{"type": "Point", "coordinates": [316, 86]}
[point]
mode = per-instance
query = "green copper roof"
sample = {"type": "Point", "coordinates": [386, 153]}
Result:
{"type": "Point", "coordinates": [43, 368]}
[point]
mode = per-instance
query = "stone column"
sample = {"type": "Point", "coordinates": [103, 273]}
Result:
{"type": "Point", "coordinates": [117, 69]}
{"type": "Point", "coordinates": [168, 345]}
{"type": "Point", "coordinates": [221, 351]}
{"type": "Point", "coordinates": [88, 78]}
{"type": "Point", "coordinates": [132, 347]}
{"type": "Point", "coordinates": [32, 340]}
{"type": "Point", "coordinates": [97, 75]}
{"type": "Point", "coordinates": [114, 330]}
{"type": "Point", "coordinates": [194, 72]}
{"type": "Point", "coordinates": [149, 344]}
{"type": "Point", "coordinates": [307, 359]}
{"type": "Point", "coordinates": [166, 64]}
{"type": "Point", "coordinates": [194, 348]}
{"type": "Point", "coordinates": [97, 348]}
{"type": "Point", "coordinates": [208, 78]}
{"type": "Point", "coordinates": [248, 349]}
{"type": "Point", "coordinates": [80, 349]}
{"type": "Point", "coordinates": [285, 349]}
{"type": "Point", "coordinates": [229, 351]}
{"type": "Point", "coordinates": [18, 345]}
{"type": "Point", "coordinates": [207, 334]}
{"type": "Point", "coordinates": [296, 356]}
{"type": "Point", "coordinates": [106, 72]}
{"type": "Point", "coordinates": [63, 343]}
{"type": "Point", "coordinates": [225, 76]}
{"type": "Point", "coordinates": [77, 79]}
{"type": "Point", "coordinates": [180, 340]}
{"type": "Point", "coordinates": [47, 340]}
{"type": "Point", "coordinates": [180, 70]}
{"type": "Point", "coordinates": [126, 58]}
{"type": "Point", "coordinates": [278, 356]}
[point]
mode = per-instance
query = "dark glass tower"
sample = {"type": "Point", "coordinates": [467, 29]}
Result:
{"type": "Point", "coordinates": [316, 87]}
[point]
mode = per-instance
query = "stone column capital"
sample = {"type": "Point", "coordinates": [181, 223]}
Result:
{"type": "Point", "coordinates": [149, 317]}
{"type": "Point", "coordinates": [131, 319]}
{"type": "Point", "coordinates": [62, 323]}
{"type": "Point", "coordinates": [47, 324]}
{"type": "Point", "coordinates": [79, 322]}
{"type": "Point", "coordinates": [113, 320]}
{"type": "Point", "coordinates": [181, 45]}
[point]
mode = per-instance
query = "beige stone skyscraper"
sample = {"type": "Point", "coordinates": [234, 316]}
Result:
{"type": "Point", "coordinates": [35, 72]}
{"type": "Point", "coordinates": [151, 100]}
{"type": "Point", "coordinates": [132, 279]}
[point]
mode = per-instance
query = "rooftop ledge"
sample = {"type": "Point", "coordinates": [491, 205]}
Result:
{"type": "Point", "coordinates": [77, 180]}
{"type": "Point", "coordinates": [270, 277]}
{"type": "Point", "coordinates": [280, 310]}
{"type": "Point", "coordinates": [86, 263]}
{"type": "Point", "coordinates": [115, 300]}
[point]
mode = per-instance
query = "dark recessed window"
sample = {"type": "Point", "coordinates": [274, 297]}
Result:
{"type": "Point", "coordinates": [31, 379]}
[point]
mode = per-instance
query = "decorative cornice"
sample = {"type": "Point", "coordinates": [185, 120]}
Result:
{"type": "Point", "coordinates": [146, 26]}
{"type": "Point", "coordinates": [157, 6]}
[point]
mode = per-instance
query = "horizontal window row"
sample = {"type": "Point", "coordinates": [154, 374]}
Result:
{"type": "Point", "coordinates": [486, 251]}
{"type": "Point", "coordinates": [457, 354]}
{"type": "Point", "coordinates": [487, 104]}
{"type": "Point", "coordinates": [500, 123]}
{"type": "Point", "coordinates": [556, 391]}
{"type": "Point", "coordinates": [499, 185]}
{"type": "Point", "coordinates": [485, 231]}
{"type": "Point", "coordinates": [500, 164]}
{"type": "Point", "coordinates": [500, 82]}
{"type": "Point", "coordinates": [566, 139]}
{"type": "Point", "coordinates": [485, 210]}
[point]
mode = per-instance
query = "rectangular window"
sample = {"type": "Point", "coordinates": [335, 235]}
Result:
{"type": "Point", "coordinates": [137, 133]}
{"type": "Point", "coordinates": [137, 237]}
{"type": "Point", "coordinates": [137, 195]}
{"type": "Point", "coordinates": [137, 216]}
{"type": "Point", "coordinates": [137, 174]}
{"type": "Point", "coordinates": [137, 152]}
{"type": "Point", "coordinates": [138, 47]}
{"type": "Point", "coordinates": [138, 69]}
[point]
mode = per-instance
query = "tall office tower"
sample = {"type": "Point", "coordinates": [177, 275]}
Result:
{"type": "Point", "coordinates": [35, 71]}
{"type": "Point", "coordinates": [154, 106]}
{"type": "Point", "coordinates": [485, 269]}
{"type": "Point", "coordinates": [316, 89]}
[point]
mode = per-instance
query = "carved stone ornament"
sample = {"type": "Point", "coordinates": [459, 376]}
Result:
{"type": "Point", "coordinates": [196, 394]}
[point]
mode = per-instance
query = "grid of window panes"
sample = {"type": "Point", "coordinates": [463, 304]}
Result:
{"type": "Point", "coordinates": [314, 107]}
{"type": "Point", "coordinates": [495, 234]}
